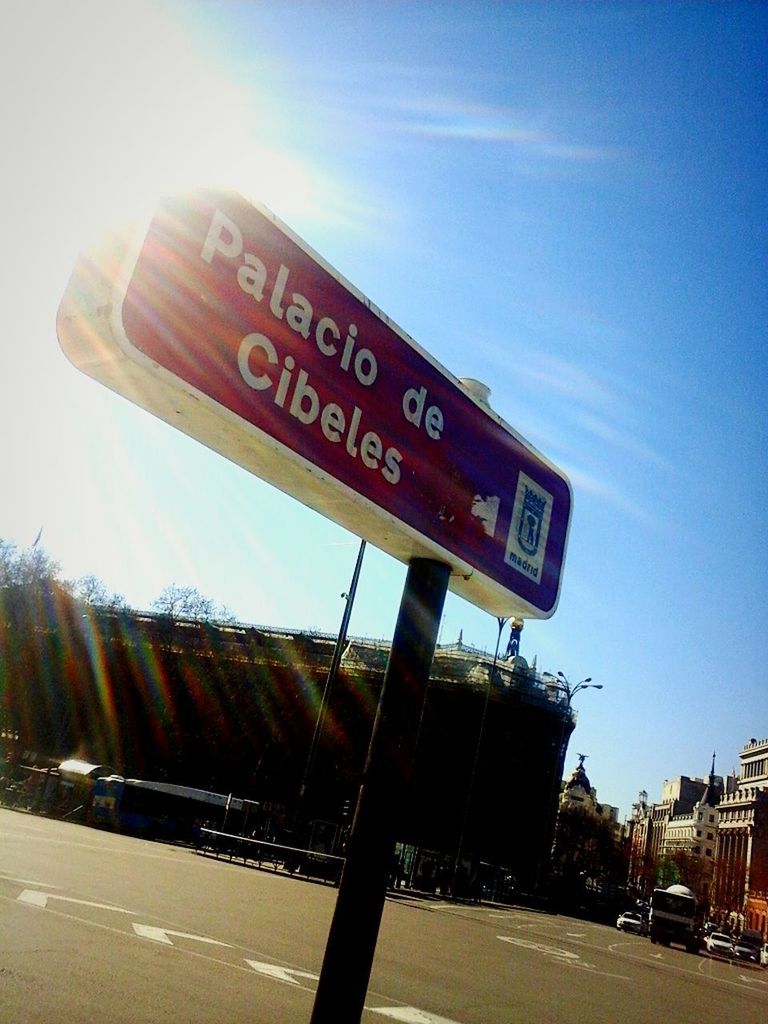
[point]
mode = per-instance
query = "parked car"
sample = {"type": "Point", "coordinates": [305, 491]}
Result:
{"type": "Point", "coordinates": [746, 948]}
{"type": "Point", "coordinates": [719, 943]}
{"type": "Point", "coordinates": [743, 951]}
{"type": "Point", "coordinates": [630, 922]}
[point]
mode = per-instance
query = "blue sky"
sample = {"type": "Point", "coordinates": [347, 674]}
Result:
{"type": "Point", "coordinates": [565, 201]}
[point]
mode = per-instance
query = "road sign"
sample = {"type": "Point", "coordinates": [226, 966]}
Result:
{"type": "Point", "coordinates": [220, 320]}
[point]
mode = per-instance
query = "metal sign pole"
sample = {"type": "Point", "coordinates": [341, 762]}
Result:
{"type": "Point", "coordinates": [354, 929]}
{"type": "Point", "coordinates": [330, 682]}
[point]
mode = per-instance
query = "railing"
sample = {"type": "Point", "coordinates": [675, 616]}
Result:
{"type": "Point", "coordinates": [292, 859]}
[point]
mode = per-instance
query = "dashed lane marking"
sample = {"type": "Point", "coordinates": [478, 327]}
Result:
{"type": "Point", "coordinates": [409, 1015]}
{"type": "Point", "coordinates": [5, 877]}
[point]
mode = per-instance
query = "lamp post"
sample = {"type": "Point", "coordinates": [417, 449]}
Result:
{"type": "Point", "coordinates": [501, 622]}
{"type": "Point", "coordinates": [327, 689]}
{"type": "Point", "coordinates": [571, 691]}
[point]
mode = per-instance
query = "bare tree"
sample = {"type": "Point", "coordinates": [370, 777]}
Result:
{"type": "Point", "coordinates": [91, 590]}
{"type": "Point", "coordinates": [8, 562]}
{"type": "Point", "coordinates": [184, 603]}
{"type": "Point", "coordinates": [31, 565]}
{"type": "Point", "coordinates": [225, 614]}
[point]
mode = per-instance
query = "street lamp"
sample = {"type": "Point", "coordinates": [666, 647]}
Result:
{"type": "Point", "coordinates": [327, 689]}
{"type": "Point", "coordinates": [565, 687]}
{"type": "Point", "coordinates": [501, 622]}
{"type": "Point", "coordinates": [571, 691]}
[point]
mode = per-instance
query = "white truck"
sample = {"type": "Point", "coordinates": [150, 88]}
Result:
{"type": "Point", "coordinates": [673, 917]}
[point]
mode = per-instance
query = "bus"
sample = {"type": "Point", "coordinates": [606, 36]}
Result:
{"type": "Point", "coordinates": [162, 810]}
{"type": "Point", "coordinates": [673, 917]}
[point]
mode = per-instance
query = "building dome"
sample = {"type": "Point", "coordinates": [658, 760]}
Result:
{"type": "Point", "coordinates": [579, 780]}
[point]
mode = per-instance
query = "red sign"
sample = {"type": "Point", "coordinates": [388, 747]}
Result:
{"type": "Point", "coordinates": [235, 331]}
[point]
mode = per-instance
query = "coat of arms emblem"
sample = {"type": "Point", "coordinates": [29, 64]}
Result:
{"type": "Point", "coordinates": [531, 520]}
{"type": "Point", "coordinates": [529, 528]}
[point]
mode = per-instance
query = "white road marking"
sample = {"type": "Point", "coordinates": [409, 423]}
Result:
{"type": "Point", "coordinates": [749, 980]}
{"type": "Point", "coordinates": [563, 956]}
{"type": "Point", "coordinates": [409, 1015]}
{"type": "Point", "coordinates": [291, 976]}
{"type": "Point", "coordinates": [40, 899]}
{"type": "Point", "coordinates": [278, 973]}
{"type": "Point", "coordinates": [27, 881]}
{"type": "Point", "coordinates": [554, 951]}
{"type": "Point", "coordinates": [148, 931]}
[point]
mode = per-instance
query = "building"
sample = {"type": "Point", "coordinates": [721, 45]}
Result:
{"type": "Point", "coordinates": [233, 708]}
{"type": "Point", "coordinates": [490, 758]}
{"type": "Point", "coordinates": [589, 869]}
{"type": "Point", "coordinates": [695, 832]}
{"type": "Point", "coordinates": [677, 828]}
{"type": "Point", "coordinates": [716, 834]}
{"type": "Point", "coordinates": [690, 838]}
{"type": "Point", "coordinates": [578, 792]}
{"type": "Point", "coordinates": [740, 886]}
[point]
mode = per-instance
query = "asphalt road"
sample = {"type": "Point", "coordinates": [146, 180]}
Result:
{"type": "Point", "coordinates": [96, 927]}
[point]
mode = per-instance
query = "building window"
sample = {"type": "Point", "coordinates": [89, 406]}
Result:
{"type": "Point", "coordinates": [710, 836]}
{"type": "Point", "coordinates": [698, 833]}
{"type": "Point", "coordinates": [709, 853]}
{"type": "Point", "coordinates": [711, 817]}
{"type": "Point", "coordinates": [753, 769]}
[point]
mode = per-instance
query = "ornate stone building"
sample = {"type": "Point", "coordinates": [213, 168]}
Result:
{"type": "Point", "coordinates": [690, 838]}
{"type": "Point", "coordinates": [579, 792]}
{"type": "Point", "coordinates": [484, 728]}
{"type": "Point", "coordinates": [719, 830]}
{"type": "Point", "coordinates": [740, 888]}
{"type": "Point", "coordinates": [233, 708]}
{"type": "Point", "coordinates": [682, 825]}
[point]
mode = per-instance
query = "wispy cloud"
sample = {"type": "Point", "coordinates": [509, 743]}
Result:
{"type": "Point", "coordinates": [621, 439]}
{"type": "Point", "coordinates": [449, 119]}
{"type": "Point", "coordinates": [612, 496]}
{"type": "Point", "coordinates": [598, 407]}
{"type": "Point", "coordinates": [586, 421]}
{"type": "Point", "coordinates": [567, 379]}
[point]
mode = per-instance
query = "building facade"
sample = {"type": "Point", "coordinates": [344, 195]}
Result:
{"type": "Point", "coordinates": [486, 781]}
{"type": "Point", "coordinates": [681, 828]}
{"type": "Point", "coordinates": [716, 833]}
{"type": "Point", "coordinates": [233, 708]}
{"type": "Point", "coordinates": [578, 792]}
{"type": "Point", "coordinates": [740, 887]}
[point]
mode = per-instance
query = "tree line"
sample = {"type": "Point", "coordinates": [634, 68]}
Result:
{"type": "Point", "coordinates": [25, 566]}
